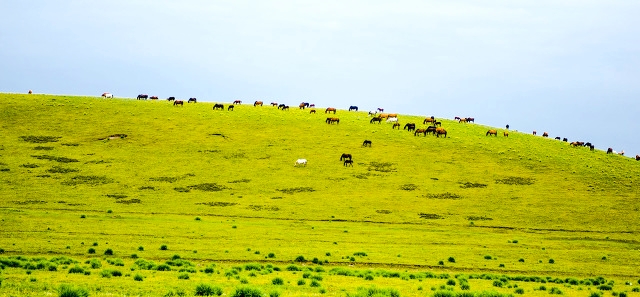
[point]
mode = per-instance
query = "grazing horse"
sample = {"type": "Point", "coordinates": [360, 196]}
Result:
{"type": "Point", "coordinates": [311, 105]}
{"type": "Point", "coordinates": [534, 132]}
{"type": "Point", "coordinates": [237, 102]}
{"type": "Point", "coordinates": [272, 103]}
{"type": "Point", "coordinates": [373, 113]}
{"type": "Point", "coordinates": [193, 99]}
{"type": "Point", "coordinates": [392, 120]}
{"type": "Point", "coordinates": [300, 162]}
{"type": "Point", "coordinates": [153, 97]}
{"type": "Point", "coordinates": [380, 109]}
{"type": "Point", "coordinates": [332, 120]}
{"type": "Point", "coordinates": [621, 153]}
{"type": "Point", "coordinates": [330, 109]}
{"type": "Point", "coordinates": [637, 157]}
{"type": "Point", "coordinates": [441, 131]}
{"type": "Point", "coordinates": [439, 124]}
{"type": "Point", "coordinates": [178, 102]}
{"type": "Point", "coordinates": [230, 107]}
{"type": "Point", "coordinates": [432, 130]}
{"type": "Point", "coordinates": [217, 105]}
{"type": "Point", "coordinates": [609, 151]}
{"type": "Point", "coordinates": [506, 134]}
{"type": "Point", "coordinates": [492, 132]}
{"type": "Point", "coordinates": [558, 138]}
{"type": "Point", "coordinates": [456, 118]}
{"type": "Point", "coordinates": [312, 111]}
{"type": "Point", "coordinates": [545, 134]}
{"type": "Point", "coordinates": [107, 95]}
{"type": "Point", "coordinates": [171, 98]}
{"type": "Point", "coordinates": [588, 144]}
{"type": "Point", "coordinates": [472, 120]}
{"type": "Point", "coordinates": [281, 106]}
{"type": "Point", "coordinates": [366, 143]}
{"type": "Point", "coordinates": [346, 156]}
{"type": "Point", "coordinates": [348, 163]}
{"type": "Point", "coordinates": [30, 92]}
{"type": "Point", "coordinates": [418, 131]}
{"type": "Point", "coordinates": [565, 139]}
{"type": "Point", "coordinates": [257, 103]}
{"type": "Point", "coordinates": [396, 125]}
{"type": "Point", "coordinates": [409, 126]}
{"type": "Point", "coordinates": [286, 107]}
{"type": "Point", "coordinates": [393, 115]}
{"type": "Point", "coordinates": [376, 119]}
{"type": "Point", "coordinates": [302, 105]}
{"type": "Point", "coordinates": [143, 96]}
{"type": "Point", "coordinates": [383, 115]}
{"type": "Point", "coordinates": [462, 120]}
{"type": "Point", "coordinates": [577, 143]}
{"type": "Point", "coordinates": [352, 107]}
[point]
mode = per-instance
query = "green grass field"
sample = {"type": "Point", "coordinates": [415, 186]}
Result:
{"type": "Point", "coordinates": [186, 196]}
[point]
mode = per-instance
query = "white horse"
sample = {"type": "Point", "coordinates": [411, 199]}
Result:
{"type": "Point", "coordinates": [107, 95]}
{"type": "Point", "coordinates": [300, 162]}
{"type": "Point", "coordinates": [392, 120]}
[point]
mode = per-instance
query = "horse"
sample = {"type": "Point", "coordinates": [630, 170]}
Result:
{"type": "Point", "coordinates": [332, 120]}
{"type": "Point", "coordinates": [366, 143]}
{"type": "Point", "coordinates": [396, 125]}
{"type": "Point", "coordinates": [409, 126]}
{"type": "Point", "coordinates": [545, 134]}
{"type": "Point", "coordinates": [352, 107]}
{"type": "Point", "coordinates": [621, 153]}
{"type": "Point", "coordinates": [380, 109]}
{"type": "Point", "coordinates": [153, 97]}
{"type": "Point", "coordinates": [418, 131]}
{"type": "Point", "coordinates": [392, 120]}
{"type": "Point", "coordinates": [143, 96]}
{"type": "Point", "coordinates": [565, 139]}
{"type": "Point", "coordinates": [472, 120]}
{"type": "Point", "coordinates": [348, 163]}
{"type": "Point", "coordinates": [306, 104]}
{"type": "Point", "coordinates": [272, 104]}
{"type": "Point", "coordinates": [281, 106]}
{"type": "Point", "coordinates": [506, 134]}
{"type": "Point", "coordinates": [230, 107]}
{"type": "Point", "coordinates": [107, 95]}
{"type": "Point", "coordinates": [311, 105]}
{"type": "Point", "coordinates": [194, 100]}
{"type": "Point", "coordinates": [330, 109]}
{"type": "Point", "coordinates": [393, 115]}
{"type": "Point", "coordinates": [286, 107]}
{"type": "Point", "coordinates": [30, 92]}
{"type": "Point", "coordinates": [492, 132]}
{"type": "Point", "coordinates": [345, 156]}
{"type": "Point", "coordinates": [431, 130]}
{"type": "Point", "coordinates": [577, 143]}
{"type": "Point", "coordinates": [456, 118]}
{"type": "Point", "coordinates": [218, 105]}
{"type": "Point", "coordinates": [178, 102]}
{"type": "Point", "coordinates": [558, 138]}
{"type": "Point", "coordinates": [441, 131]}
{"type": "Point", "coordinates": [609, 151]}
{"type": "Point", "coordinates": [534, 132]}
{"type": "Point", "coordinates": [637, 157]}
{"type": "Point", "coordinates": [462, 120]}
{"type": "Point", "coordinates": [437, 124]}
{"type": "Point", "coordinates": [383, 115]}
{"type": "Point", "coordinates": [237, 102]}
{"type": "Point", "coordinates": [312, 111]}
{"type": "Point", "coordinates": [373, 113]}
{"type": "Point", "coordinates": [300, 162]}
{"type": "Point", "coordinates": [171, 98]}
{"type": "Point", "coordinates": [302, 105]}
{"type": "Point", "coordinates": [376, 119]}
{"type": "Point", "coordinates": [257, 103]}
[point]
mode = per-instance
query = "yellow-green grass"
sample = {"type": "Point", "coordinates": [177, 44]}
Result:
{"type": "Point", "coordinates": [408, 202]}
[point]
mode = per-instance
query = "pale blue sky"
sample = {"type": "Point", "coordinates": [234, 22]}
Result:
{"type": "Point", "coordinates": [571, 68]}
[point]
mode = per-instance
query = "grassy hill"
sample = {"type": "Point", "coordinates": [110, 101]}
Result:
{"type": "Point", "coordinates": [220, 188]}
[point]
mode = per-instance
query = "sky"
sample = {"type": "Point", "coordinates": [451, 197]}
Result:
{"type": "Point", "coordinates": [568, 67]}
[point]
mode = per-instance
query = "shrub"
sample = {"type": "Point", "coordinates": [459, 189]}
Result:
{"type": "Point", "coordinates": [501, 265]}
{"type": "Point", "coordinates": [246, 292]}
{"type": "Point", "coordinates": [519, 291]}
{"type": "Point", "coordinates": [208, 290]}
{"type": "Point", "coordinates": [465, 287]}
{"type": "Point", "coordinates": [301, 282]}
{"type": "Point", "coordinates": [138, 277]}
{"type": "Point", "coordinates": [452, 260]}
{"type": "Point", "coordinates": [141, 248]}
{"type": "Point", "coordinates": [209, 270]}
{"type": "Point", "coordinates": [361, 254]}
{"type": "Point", "coordinates": [76, 269]}
{"type": "Point", "coordinates": [551, 261]}
{"type": "Point", "coordinates": [71, 291]}
{"type": "Point", "coordinates": [451, 282]}
{"type": "Point", "coordinates": [555, 290]}
{"type": "Point", "coordinates": [314, 283]}
{"type": "Point", "coordinates": [604, 287]}
{"type": "Point", "coordinates": [83, 216]}
{"type": "Point", "coordinates": [293, 268]}
{"type": "Point", "coordinates": [277, 281]}
{"type": "Point", "coordinates": [595, 294]}
{"type": "Point", "coordinates": [300, 259]}
{"type": "Point", "coordinates": [91, 251]}
{"type": "Point", "coordinates": [108, 252]}
{"type": "Point", "coordinates": [373, 291]}
{"type": "Point", "coordinates": [183, 276]}
{"type": "Point", "coordinates": [622, 294]}
{"type": "Point", "coordinates": [521, 260]}
{"type": "Point", "coordinates": [163, 247]}
{"type": "Point", "coordinates": [487, 257]}
{"type": "Point", "coordinates": [271, 255]}
{"type": "Point", "coordinates": [134, 256]}
{"type": "Point", "coordinates": [95, 263]}
{"type": "Point", "coordinates": [440, 263]}
{"type": "Point", "coordinates": [498, 283]}
{"type": "Point", "coordinates": [274, 294]}
{"type": "Point", "coordinates": [163, 267]}
{"type": "Point", "coordinates": [95, 244]}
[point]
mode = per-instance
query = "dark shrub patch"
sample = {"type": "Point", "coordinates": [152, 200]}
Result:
{"type": "Point", "coordinates": [555, 290]}
{"type": "Point", "coordinates": [300, 259]}
{"type": "Point", "coordinates": [116, 196]}
{"type": "Point", "coordinates": [165, 179]}
{"type": "Point", "coordinates": [70, 291]}
{"type": "Point", "coordinates": [91, 251]}
{"type": "Point", "coordinates": [221, 204]}
{"type": "Point", "coordinates": [247, 292]}
{"type": "Point", "coordinates": [108, 252]}
{"type": "Point", "coordinates": [430, 216]}
{"type": "Point", "coordinates": [29, 165]}
{"type": "Point", "coordinates": [138, 277]}
{"type": "Point", "coordinates": [53, 158]}
{"type": "Point", "coordinates": [381, 167]}
{"type": "Point", "coordinates": [519, 291]}
{"type": "Point", "coordinates": [71, 144]}
{"type": "Point", "coordinates": [207, 290]}
{"type": "Point", "coordinates": [360, 254]}
{"type": "Point", "coordinates": [271, 255]}
{"type": "Point", "coordinates": [551, 261]}
{"type": "Point", "coordinates": [76, 269]}
{"type": "Point", "coordinates": [92, 180]}
{"type": "Point", "coordinates": [468, 185]}
{"type": "Point", "coordinates": [146, 188]}
{"type": "Point", "coordinates": [277, 281]}
{"type": "Point", "coordinates": [163, 267]}
{"type": "Point", "coordinates": [182, 190]}
{"type": "Point", "coordinates": [57, 169]}
{"type": "Point", "coordinates": [40, 139]}
{"type": "Point", "coordinates": [479, 218]}
{"type": "Point", "coordinates": [516, 180]}
{"type": "Point", "coordinates": [409, 187]}
{"type": "Point", "coordinates": [296, 190]}
{"type": "Point", "coordinates": [163, 247]}
{"type": "Point", "coordinates": [452, 260]}
{"type": "Point", "coordinates": [244, 180]}
{"type": "Point", "coordinates": [43, 148]}
{"type": "Point", "coordinates": [208, 187]}
{"type": "Point", "coordinates": [444, 196]}
{"type": "Point", "coordinates": [487, 257]}
{"type": "Point", "coordinates": [129, 201]}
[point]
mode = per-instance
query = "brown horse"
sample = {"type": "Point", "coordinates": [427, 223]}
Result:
{"type": "Point", "coordinates": [366, 143]}
{"type": "Point", "coordinates": [332, 120]}
{"type": "Point", "coordinates": [216, 106]}
{"type": "Point", "coordinates": [330, 109]}
{"type": "Point", "coordinates": [491, 132]}
{"type": "Point", "coordinates": [429, 120]}
{"type": "Point", "coordinates": [153, 97]}
{"type": "Point", "coordinates": [418, 131]}
{"type": "Point", "coordinates": [312, 111]}
{"type": "Point", "coordinates": [383, 115]}
{"type": "Point", "coordinates": [577, 143]}
{"type": "Point", "coordinates": [441, 131]}
{"type": "Point", "coordinates": [462, 120]}
{"type": "Point", "coordinates": [178, 102]}
{"type": "Point", "coordinates": [303, 105]}
{"type": "Point", "coordinates": [393, 115]}
{"type": "Point", "coordinates": [545, 134]}
{"type": "Point", "coordinates": [506, 134]}
{"type": "Point", "coordinates": [257, 103]}
{"type": "Point", "coordinates": [396, 125]}
{"type": "Point", "coordinates": [348, 163]}
{"type": "Point", "coordinates": [346, 156]}
{"type": "Point", "coordinates": [273, 104]}
{"type": "Point", "coordinates": [237, 102]}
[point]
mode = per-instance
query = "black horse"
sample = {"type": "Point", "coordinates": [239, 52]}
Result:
{"type": "Point", "coordinates": [353, 108]}
{"type": "Point", "coordinates": [216, 106]}
{"type": "Point", "coordinates": [192, 100]}
{"type": "Point", "coordinates": [348, 163]}
{"type": "Point", "coordinates": [409, 127]}
{"type": "Point", "coordinates": [367, 143]}
{"type": "Point", "coordinates": [376, 119]}
{"type": "Point", "coordinates": [171, 98]}
{"type": "Point", "coordinates": [281, 106]}
{"type": "Point", "coordinates": [230, 107]}
{"type": "Point", "coordinates": [143, 96]}
{"type": "Point", "coordinates": [345, 156]}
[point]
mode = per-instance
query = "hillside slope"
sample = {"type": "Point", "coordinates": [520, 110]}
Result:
{"type": "Point", "coordinates": [408, 200]}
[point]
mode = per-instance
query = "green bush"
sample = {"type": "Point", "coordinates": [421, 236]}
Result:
{"type": "Point", "coordinates": [300, 259]}
{"type": "Point", "coordinates": [246, 292]}
{"type": "Point", "coordinates": [183, 276]}
{"type": "Point", "coordinates": [163, 267]}
{"type": "Point", "coordinates": [95, 263]}
{"type": "Point", "coordinates": [277, 281]}
{"type": "Point", "coordinates": [487, 257]}
{"type": "Point", "coordinates": [271, 255]}
{"type": "Point", "coordinates": [138, 277]}
{"type": "Point", "coordinates": [519, 291]}
{"type": "Point", "coordinates": [76, 269]}
{"type": "Point", "coordinates": [141, 248]}
{"type": "Point", "coordinates": [452, 260]}
{"type": "Point", "coordinates": [274, 294]}
{"type": "Point", "coordinates": [91, 251]}
{"type": "Point", "coordinates": [555, 290]}
{"type": "Point", "coordinates": [70, 291]}
{"type": "Point", "coordinates": [163, 247]}
{"type": "Point", "coordinates": [373, 291]}
{"type": "Point", "coordinates": [314, 283]}
{"type": "Point", "coordinates": [301, 282]}
{"type": "Point", "coordinates": [451, 282]}
{"type": "Point", "coordinates": [108, 252]}
{"type": "Point", "coordinates": [551, 261]}
{"type": "Point", "coordinates": [595, 294]}
{"type": "Point", "coordinates": [208, 290]}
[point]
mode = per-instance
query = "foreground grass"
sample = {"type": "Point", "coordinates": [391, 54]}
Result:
{"type": "Point", "coordinates": [220, 187]}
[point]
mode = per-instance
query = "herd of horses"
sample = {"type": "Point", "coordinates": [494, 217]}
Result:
{"type": "Point", "coordinates": [434, 128]}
